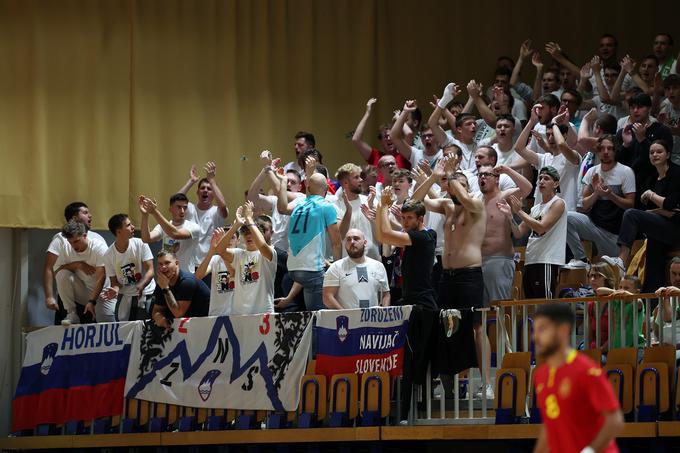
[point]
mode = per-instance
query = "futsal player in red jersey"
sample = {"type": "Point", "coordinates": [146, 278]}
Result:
{"type": "Point", "coordinates": [577, 403]}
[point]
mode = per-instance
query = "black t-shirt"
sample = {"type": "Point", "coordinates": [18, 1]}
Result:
{"type": "Point", "coordinates": [417, 268]}
{"type": "Point", "coordinates": [669, 188]}
{"type": "Point", "coordinates": [187, 287]}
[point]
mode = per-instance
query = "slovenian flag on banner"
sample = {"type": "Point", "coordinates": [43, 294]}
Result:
{"type": "Point", "coordinates": [72, 373]}
{"type": "Point", "coordinates": [361, 340]}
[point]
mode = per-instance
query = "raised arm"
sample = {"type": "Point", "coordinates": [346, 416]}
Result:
{"type": "Point", "coordinates": [451, 90]}
{"type": "Point", "coordinates": [267, 173]}
{"type": "Point", "coordinates": [521, 145]}
{"type": "Point", "coordinates": [193, 179]}
{"type": "Point", "coordinates": [475, 91]}
{"type": "Point", "coordinates": [397, 132]}
{"type": "Point", "coordinates": [627, 67]}
{"type": "Point", "coordinates": [585, 141]}
{"type": "Point", "coordinates": [524, 186]}
{"type": "Point", "coordinates": [167, 226]}
{"type": "Point", "coordinates": [525, 51]}
{"type": "Point", "coordinates": [210, 168]}
{"type": "Point", "coordinates": [602, 90]}
{"type": "Point", "coordinates": [202, 269]}
{"type": "Point", "coordinates": [537, 61]}
{"type": "Point", "coordinates": [387, 234]}
{"type": "Point", "coordinates": [282, 204]}
{"type": "Point", "coordinates": [265, 249]}
{"type": "Point", "coordinates": [147, 235]}
{"type": "Point", "coordinates": [358, 137]}
{"type": "Point", "coordinates": [555, 51]}
{"type": "Point", "coordinates": [571, 154]}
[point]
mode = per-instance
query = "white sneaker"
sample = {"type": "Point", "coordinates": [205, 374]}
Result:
{"type": "Point", "coordinates": [576, 264]}
{"type": "Point", "coordinates": [615, 261]}
{"type": "Point", "coordinates": [479, 394]}
{"type": "Point", "coordinates": [71, 318]}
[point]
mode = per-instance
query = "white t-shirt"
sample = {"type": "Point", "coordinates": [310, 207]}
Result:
{"type": "Point", "coordinates": [360, 222]}
{"type": "Point", "coordinates": [674, 119]}
{"type": "Point", "coordinates": [568, 178]}
{"type": "Point", "coordinates": [358, 285]}
{"type": "Point", "coordinates": [184, 249]}
{"type": "Point", "coordinates": [617, 111]}
{"type": "Point", "coordinates": [92, 255]}
{"type": "Point", "coordinates": [253, 282]}
{"type": "Point", "coordinates": [547, 248]}
{"type": "Point", "coordinates": [507, 158]}
{"type": "Point", "coordinates": [468, 160]}
{"type": "Point", "coordinates": [418, 154]}
{"type": "Point", "coordinates": [59, 242]}
{"type": "Point", "coordinates": [128, 267]}
{"type": "Point", "coordinates": [222, 287]}
{"type": "Point", "coordinates": [207, 220]}
{"type": "Point", "coordinates": [621, 178]}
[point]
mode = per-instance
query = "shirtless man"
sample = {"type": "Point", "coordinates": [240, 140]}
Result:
{"type": "Point", "coordinates": [498, 265]}
{"type": "Point", "coordinates": [464, 232]}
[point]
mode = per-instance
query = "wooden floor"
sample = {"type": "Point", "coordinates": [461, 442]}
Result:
{"type": "Point", "coordinates": [283, 436]}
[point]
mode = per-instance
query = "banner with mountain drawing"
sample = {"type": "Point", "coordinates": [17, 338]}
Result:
{"type": "Point", "coordinates": [239, 362]}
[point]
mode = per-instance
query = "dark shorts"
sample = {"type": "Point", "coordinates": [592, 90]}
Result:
{"type": "Point", "coordinates": [462, 289]}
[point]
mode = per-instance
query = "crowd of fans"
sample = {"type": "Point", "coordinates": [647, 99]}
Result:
{"type": "Point", "coordinates": [581, 153]}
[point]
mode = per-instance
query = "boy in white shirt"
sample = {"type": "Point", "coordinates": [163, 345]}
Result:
{"type": "Point", "coordinates": [254, 267]}
{"type": "Point", "coordinates": [129, 266]}
{"type": "Point", "coordinates": [223, 283]}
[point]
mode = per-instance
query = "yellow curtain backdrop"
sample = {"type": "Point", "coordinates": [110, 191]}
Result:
{"type": "Point", "coordinates": [101, 100]}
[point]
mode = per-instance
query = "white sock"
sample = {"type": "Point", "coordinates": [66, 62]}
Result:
{"type": "Point", "coordinates": [447, 96]}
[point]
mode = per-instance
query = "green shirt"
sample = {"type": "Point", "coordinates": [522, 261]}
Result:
{"type": "Point", "coordinates": [615, 339]}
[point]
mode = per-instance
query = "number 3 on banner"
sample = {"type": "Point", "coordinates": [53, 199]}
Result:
{"type": "Point", "coordinates": [264, 327]}
{"type": "Point", "coordinates": [181, 328]}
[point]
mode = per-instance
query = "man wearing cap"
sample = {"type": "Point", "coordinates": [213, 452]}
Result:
{"type": "Point", "coordinates": [547, 222]}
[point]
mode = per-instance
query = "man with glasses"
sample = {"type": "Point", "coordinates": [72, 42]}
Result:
{"type": "Point", "coordinates": [572, 99]}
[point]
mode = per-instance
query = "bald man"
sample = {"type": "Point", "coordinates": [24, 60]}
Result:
{"type": "Point", "coordinates": [310, 221]}
{"type": "Point", "coordinates": [356, 281]}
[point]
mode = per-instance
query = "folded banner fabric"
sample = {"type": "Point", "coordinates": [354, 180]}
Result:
{"type": "Point", "coordinates": [361, 340]}
{"type": "Point", "coordinates": [240, 362]}
{"type": "Point", "coordinates": [72, 373]}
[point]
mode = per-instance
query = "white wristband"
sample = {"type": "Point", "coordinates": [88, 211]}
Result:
{"type": "Point", "coordinates": [588, 449]}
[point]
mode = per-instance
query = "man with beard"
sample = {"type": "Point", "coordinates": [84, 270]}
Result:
{"type": "Point", "coordinates": [373, 155]}
{"type": "Point", "coordinates": [577, 404]}
{"type": "Point", "coordinates": [461, 286]}
{"type": "Point", "coordinates": [356, 281]}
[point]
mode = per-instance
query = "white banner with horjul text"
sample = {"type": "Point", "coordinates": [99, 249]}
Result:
{"type": "Point", "coordinates": [250, 362]}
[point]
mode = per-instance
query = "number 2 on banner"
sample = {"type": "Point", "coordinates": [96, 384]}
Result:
{"type": "Point", "coordinates": [181, 328]}
{"type": "Point", "coordinates": [264, 327]}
